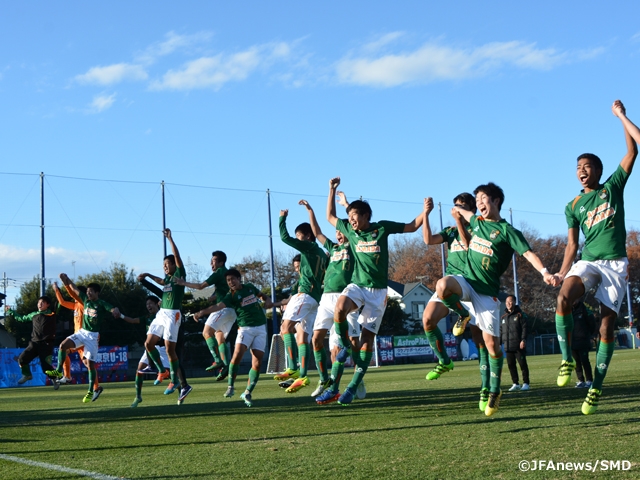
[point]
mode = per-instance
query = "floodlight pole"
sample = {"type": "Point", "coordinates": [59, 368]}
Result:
{"type": "Point", "coordinates": [42, 279]}
{"type": "Point", "coordinates": [274, 317]}
{"type": "Point", "coordinates": [515, 271]}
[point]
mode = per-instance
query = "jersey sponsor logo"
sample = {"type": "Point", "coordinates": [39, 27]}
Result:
{"type": "Point", "coordinates": [481, 245]}
{"type": "Point", "coordinates": [368, 247]}
{"type": "Point", "coordinates": [92, 312]}
{"type": "Point", "coordinates": [167, 288]}
{"type": "Point", "coordinates": [599, 214]}
{"type": "Point", "coordinates": [340, 255]}
{"type": "Point", "coordinates": [249, 300]}
{"type": "Point", "coordinates": [456, 246]}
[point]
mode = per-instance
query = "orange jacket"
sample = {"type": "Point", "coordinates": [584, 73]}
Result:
{"type": "Point", "coordinates": [77, 306]}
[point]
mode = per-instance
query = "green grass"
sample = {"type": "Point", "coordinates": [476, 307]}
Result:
{"type": "Point", "coordinates": [405, 428]}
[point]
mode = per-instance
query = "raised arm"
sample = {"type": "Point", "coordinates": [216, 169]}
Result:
{"type": "Point", "coordinates": [174, 248]}
{"type": "Point", "coordinates": [150, 286]}
{"type": "Point", "coordinates": [313, 221]}
{"type": "Point", "coordinates": [142, 279]}
{"type": "Point", "coordinates": [196, 286]}
{"type": "Point", "coordinates": [570, 252]}
{"type": "Point", "coordinates": [208, 311]}
{"type": "Point", "coordinates": [69, 285]}
{"type": "Point", "coordinates": [535, 261]}
{"type": "Point", "coordinates": [342, 199]}
{"type": "Point", "coordinates": [428, 237]}
{"type": "Point", "coordinates": [466, 214]}
{"type": "Point", "coordinates": [331, 201]}
{"type": "Point", "coordinates": [631, 136]}
{"type": "Point", "coordinates": [65, 303]}
{"type": "Point", "coordinates": [463, 232]}
{"type": "Point", "coordinates": [415, 224]}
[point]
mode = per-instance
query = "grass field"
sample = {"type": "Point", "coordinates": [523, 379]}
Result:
{"type": "Point", "coordinates": [405, 428]}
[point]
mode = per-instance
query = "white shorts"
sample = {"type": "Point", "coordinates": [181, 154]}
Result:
{"type": "Point", "coordinates": [302, 308]}
{"type": "Point", "coordinates": [163, 357]}
{"type": "Point", "coordinates": [354, 331]}
{"type": "Point", "coordinates": [373, 302]}
{"type": "Point", "coordinates": [222, 321]}
{"type": "Point", "coordinates": [486, 309]}
{"type": "Point", "coordinates": [326, 309]}
{"type": "Point", "coordinates": [88, 340]}
{"type": "Point", "coordinates": [467, 305]}
{"type": "Point", "coordinates": [610, 276]}
{"type": "Point", "coordinates": [254, 338]}
{"type": "Point", "coordinates": [168, 324]}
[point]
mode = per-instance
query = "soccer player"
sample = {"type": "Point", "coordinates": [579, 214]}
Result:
{"type": "Point", "coordinates": [368, 287]}
{"type": "Point", "coordinates": [457, 239]}
{"type": "Point", "coordinates": [490, 250]}
{"type": "Point", "coordinates": [599, 212]}
{"type": "Point", "coordinates": [301, 311]}
{"type": "Point", "coordinates": [95, 312]}
{"type": "Point", "coordinates": [252, 329]}
{"type": "Point", "coordinates": [336, 279]}
{"type": "Point", "coordinates": [167, 321]}
{"type": "Point", "coordinates": [43, 334]}
{"type": "Point", "coordinates": [219, 324]}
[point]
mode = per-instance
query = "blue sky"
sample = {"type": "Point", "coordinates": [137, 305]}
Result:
{"type": "Point", "coordinates": [402, 100]}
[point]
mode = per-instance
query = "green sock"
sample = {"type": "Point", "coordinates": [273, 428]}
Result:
{"type": "Point", "coordinates": [253, 379]}
{"type": "Point", "coordinates": [495, 365]}
{"type": "Point", "coordinates": [154, 356]}
{"type": "Point", "coordinates": [62, 354]}
{"type": "Point", "coordinates": [233, 372]}
{"type": "Point", "coordinates": [139, 381]}
{"type": "Point", "coordinates": [485, 374]}
{"type": "Point", "coordinates": [305, 357]}
{"type": "Point", "coordinates": [342, 329]}
{"type": "Point", "coordinates": [174, 366]}
{"type": "Point", "coordinates": [603, 359]}
{"type": "Point", "coordinates": [337, 369]}
{"type": "Point", "coordinates": [361, 368]}
{"type": "Point", "coordinates": [564, 328]}
{"type": "Point", "coordinates": [436, 340]}
{"type": "Point", "coordinates": [321, 363]}
{"type": "Point", "coordinates": [289, 342]}
{"type": "Point", "coordinates": [26, 370]}
{"type": "Point", "coordinates": [225, 353]}
{"type": "Point", "coordinates": [212, 343]}
{"type": "Point", "coordinates": [92, 378]}
{"type": "Point", "coordinates": [452, 302]}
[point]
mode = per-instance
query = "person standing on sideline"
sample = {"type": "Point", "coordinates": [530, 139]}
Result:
{"type": "Point", "coordinates": [513, 333]}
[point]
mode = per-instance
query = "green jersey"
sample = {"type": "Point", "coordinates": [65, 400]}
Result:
{"type": "Point", "coordinates": [218, 279]}
{"type": "Point", "coordinates": [95, 312]}
{"type": "Point", "coordinates": [313, 262]}
{"type": "Point", "coordinates": [490, 251]}
{"type": "Point", "coordinates": [172, 293]}
{"type": "Point", "coordinates": [456, 253]}
{"type": "Point", "coordinates": [370, 249]}
{"type": "Point", "coordinates": [340, 269]}
{"type": "Point", "coordinates": [147, 320]}
{"type": "Point", "coordinates": [600, 216]}
{"type": "Point", "coordinates": [246, 303]}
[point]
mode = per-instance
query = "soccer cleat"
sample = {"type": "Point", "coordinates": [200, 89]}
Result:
{"type": "Point", "coordinates": [493, 404]}
{"type": "Point", "coordinates": [56, 384]}
{"type": "Point", "coordinates": [171, 388]}
{"type": "Point", "coordinates": [213, 366]}
{"type": "Point", "coordinates": [148, 369]}
{"type": "Point", "coordinates": [136, 401]}
{"type": "Point", "coordinates": [230, 392]}
{"type": "Point", "coordinates": [343, 354]}
{"type": "Point", "coordinates": [484, 399]}
{"type": "Point", "coordinates": [322, 386]}
{"type": "Point", "coordinates": [246, 397]}
{"type": "Point", "coordinates": [96, 394]}
{"type": "Point", "coordinates": [347, 397]}
{"type": "Point", "coordinates": [327, 397]}
{"type": "Point", "coordinates": [439, 369]}
{"type": "Point", "coordinates": [361, 391]}
{"type": "Point", "coordinates": [581, 384]}
{"type": "Point", "coordinates": [24, 379]}
{"type": "Point", "coordinates": [564, 375]}
{"type": "Point", "coordinates": [298, 384]}
{"type": "Point", "coordinates": [286, 383]}
{"type": "Point", "coordinates": [287, 374]}
{"type": "Point", "coordinates": [161, 377]}
{"type": "Point", "coordinates": [65, 381]}
{"type": "Point", "coordinates": [588, 384]}
{"type": "Point", "coordinates": [461, 324]}
{"type": "Point", "coordinates": [183, 393]}
{"type": "Point", "coordinates": [525, 387]}
{"type": "Point", "coordinates": [514, 388]}
{"type": "Point", "coordinates": [224, 373]}
{"type": "Point", "coordinates": [53, 374]}
{"type": "Point", "coordinates": [87, 398]}
{"type": "Point", "coordinates": [590, 404]}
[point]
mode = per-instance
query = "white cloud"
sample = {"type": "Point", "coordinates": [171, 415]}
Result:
{"type": "Point", "coordinates": [435, 62]}
{"type": "Point", "coordinates": [102, 102]}
{"type": "Point", "coordinates": [28, 260]}
{"type": "Point", "coordinates": [112, 74]}
{"type": "Point", "coordinates": [171, 43]}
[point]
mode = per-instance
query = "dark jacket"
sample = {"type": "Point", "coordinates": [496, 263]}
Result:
{"type": "Point", "coordinates": [513, 329]}
{"type": "Point", "coordinates": [44, 325]}
{"type": "Point", "coordinates": [584, 326]}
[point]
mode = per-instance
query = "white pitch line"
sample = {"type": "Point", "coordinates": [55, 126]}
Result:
{"type": "Point", "coordinates": [50, 466]}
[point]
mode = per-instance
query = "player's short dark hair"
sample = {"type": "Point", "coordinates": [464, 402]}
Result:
{"type": "Point", "coordinates": [221, 256]}
{"type": "Point", "coordinates": [232, 272]}
{"type": "Point", "coordinates": [493, 191]}
{"type": "Point", "coordinates": [592, 158]}
{"type": "Point", "coordinates": [153, 298]}
{"type": "Point", "coordinates": [360, 206]}
{"type": "Point", "coordinates": [306, 230]}
{"type": "Point", "coordinates": [45, 298]}
{"type": "Point", "coordinates": [171, 258]}
{"type": "Point", "coordinates": [468, 199]}
{"type": "Point", "coordinates": [511, 295]}
{"type": "Point", "coordinates": [297, 258]}
{"type": "Point", "coordinates": [95, 287]}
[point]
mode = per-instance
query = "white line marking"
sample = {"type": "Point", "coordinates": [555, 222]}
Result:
{"type": "Point", "coordinates": [49, 466]}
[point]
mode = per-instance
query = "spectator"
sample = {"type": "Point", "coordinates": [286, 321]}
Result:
{"type": "Point", "coordinates": [513, 332]}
